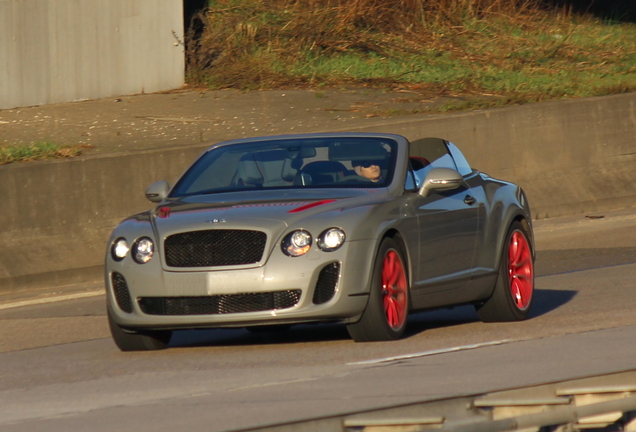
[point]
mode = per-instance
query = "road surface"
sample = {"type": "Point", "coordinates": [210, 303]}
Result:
{"type": "Point", "coordinates": [61, 372]}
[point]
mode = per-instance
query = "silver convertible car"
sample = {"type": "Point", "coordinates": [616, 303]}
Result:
{"type": "Point", "coordinates": [358, 228]}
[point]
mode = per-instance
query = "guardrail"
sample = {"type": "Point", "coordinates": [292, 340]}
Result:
{"type": "Point", "coordinates": [598, 403]}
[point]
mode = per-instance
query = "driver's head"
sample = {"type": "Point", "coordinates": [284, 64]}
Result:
{"type": "Point", "coordinates": [368, 169]}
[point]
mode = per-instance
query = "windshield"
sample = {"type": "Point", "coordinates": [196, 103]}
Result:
{"type": "Point", "coordinates": [292, 163]}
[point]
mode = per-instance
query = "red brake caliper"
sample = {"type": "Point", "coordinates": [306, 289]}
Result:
{"type": "Point", "coordinates": [520, 270]}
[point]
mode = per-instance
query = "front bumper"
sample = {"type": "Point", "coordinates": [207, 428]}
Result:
{"type": "Point", "coordinates": [319, 286]}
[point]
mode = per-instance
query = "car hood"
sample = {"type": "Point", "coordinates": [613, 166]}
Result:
{"type": "Point", "coordinates": [270, 211]}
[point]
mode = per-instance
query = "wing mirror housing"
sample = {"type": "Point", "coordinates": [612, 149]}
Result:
{"type": "Point", "coordinates": [157, 191]}
{"type": "Point", "coordinates": [441, 179]}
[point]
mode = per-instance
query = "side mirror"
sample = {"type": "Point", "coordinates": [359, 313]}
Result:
{"type": "Point", "coordinates": [441, 179]}
{"type": "Point", "coordinates": [157, 191]}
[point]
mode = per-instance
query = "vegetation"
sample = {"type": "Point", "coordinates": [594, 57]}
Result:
{"type": "Point", "coordinates": [484, 52]}
{"type": "Point", "coordinates": [36, 151]}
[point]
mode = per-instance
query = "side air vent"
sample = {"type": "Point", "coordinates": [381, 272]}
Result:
{"type": "Point", "coordinates": [327, 283]}
{"type": "Point", "coordinates": [122, 295]}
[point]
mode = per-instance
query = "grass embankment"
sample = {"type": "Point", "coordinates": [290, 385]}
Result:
{"type": "Point", "coordinates": [36, 151]}
{"type": "Point", "coordinates": [482, 52]}
{"type": "Point", "coordinates": [474, 53]}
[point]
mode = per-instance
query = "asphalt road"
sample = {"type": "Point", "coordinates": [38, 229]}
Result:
{"type": "Point", "coordinates": [60, 370]}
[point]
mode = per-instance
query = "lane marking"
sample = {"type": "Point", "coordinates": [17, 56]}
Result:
{"type": "Point", "coordinates": [54, 299]}
{"type": "Point", "coordinates": [609, 266]}
{"type": "Point", "coordinates": [430, 353]}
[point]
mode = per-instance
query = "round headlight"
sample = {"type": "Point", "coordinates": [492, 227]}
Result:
{"type": "Point", "coordinates": [119, 249]}
{"type": "Point", "coordinates": [143, 250]}
{"type": "Point", "coordinates": [331, 239]}
{"type": "Point", "coordinates": [296, 243]}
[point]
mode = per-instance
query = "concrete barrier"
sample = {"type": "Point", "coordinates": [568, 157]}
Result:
{"type": "Point", "coordinates": [571, 157]}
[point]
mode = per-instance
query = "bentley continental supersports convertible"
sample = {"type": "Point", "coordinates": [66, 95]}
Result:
{"type": "Point", "coordinates": [358, 228]}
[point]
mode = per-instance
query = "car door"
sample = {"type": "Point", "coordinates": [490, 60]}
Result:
{"type": "Point", "coordinates": [448, 224]}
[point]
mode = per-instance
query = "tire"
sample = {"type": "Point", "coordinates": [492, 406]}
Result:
{"type": "Point", "coordinates": [514, 290]}
{"type": "Point", "coordinates": [385, 316]}
{"type": "Point", "coordinates": [138, 341]}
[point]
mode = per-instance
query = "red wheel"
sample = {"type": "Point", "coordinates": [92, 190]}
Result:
{"type": "Point", "coordinates": [520, 270]}
{"type": "Point", "coordinates": [394, 289]}
{"type": "Point", "coordinates": [512, 295]}
{"type": "Point", "coordinates": [386, 313]}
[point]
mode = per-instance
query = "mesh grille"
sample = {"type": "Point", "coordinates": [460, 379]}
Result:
{"type": "Point", "coordinates": [122, 295]}
{"type": "Point", "coordinates": [215, 248]}
{"type": "Point", "coordinates": [219, 304]}
{"type": "Point", "coordinates": [327, 282]}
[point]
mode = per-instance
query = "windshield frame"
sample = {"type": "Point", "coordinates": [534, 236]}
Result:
{"type": "Point", "coordinates": [281, 160]}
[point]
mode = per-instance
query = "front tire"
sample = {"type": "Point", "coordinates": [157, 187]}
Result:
{"type": "Point", "coordinates": [138, 341]}
{"type": "Point", "coordinates": [514, 289]}
{"type": "Point", "coordinates": [385, 316]}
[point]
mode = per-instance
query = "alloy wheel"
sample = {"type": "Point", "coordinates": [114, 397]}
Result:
{"type": "Point", "coordinates": [394, 289]}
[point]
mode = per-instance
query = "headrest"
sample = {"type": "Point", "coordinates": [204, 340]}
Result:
{"type": "Point", "coordinates": [248, 170]}
{"type": "Point", "coordinates": [320, 167]}
{"type": "Point", "coordinates": [290, 168]}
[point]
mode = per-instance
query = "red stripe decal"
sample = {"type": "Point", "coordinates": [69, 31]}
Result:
{"type": "Point", "coordinates": [310, 206]}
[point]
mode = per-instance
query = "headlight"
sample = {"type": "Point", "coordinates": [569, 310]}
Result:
{"type": "Point", "coordinates": [143, 250]}
{"type": "Point", "coordinates": [296, 243]}
{"type": "Point", "coordinates": [331, 239]}
{"type": "Point", "coordinates": [119, 249]}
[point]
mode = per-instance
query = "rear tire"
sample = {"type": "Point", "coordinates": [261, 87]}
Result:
{"type": "Point", "coordinates": [138, 341]}
{"type": "Point", "coordinates": [514, 290]}
{"type": "Point", "coordinates": [385, 316]}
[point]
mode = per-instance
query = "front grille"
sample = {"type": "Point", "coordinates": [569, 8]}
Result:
{"type": "Point", "coordinates": [122, 295]}
{"type": "Point", "coordinates": [327, 283]}
{"type": "Point", "coordinates": [219, 304]}
{"type": "Point", "coordinates": [212, 248]}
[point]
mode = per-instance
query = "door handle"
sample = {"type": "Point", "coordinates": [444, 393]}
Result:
{"type": "Point", "coordinates": [470, 200]}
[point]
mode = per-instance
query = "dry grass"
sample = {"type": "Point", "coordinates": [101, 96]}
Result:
{"type": "Point", "coordinates": [37, 151]}
{"type": "Point", "coordinates": [247, 35]}
{"type": "Point", "coordinates": [514, 50]}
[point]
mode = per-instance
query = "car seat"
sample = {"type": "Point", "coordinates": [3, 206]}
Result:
{"type": "Point", "coordinates": [321, 172]}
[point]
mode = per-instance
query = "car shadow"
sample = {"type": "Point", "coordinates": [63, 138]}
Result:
{"type": "Point", "coordinates": [545, 301]}
{"type": "Point", "coordinates": [302, 333]}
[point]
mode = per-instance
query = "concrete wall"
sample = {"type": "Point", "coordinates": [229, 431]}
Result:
{"type": "Point", "coordinates": [571, 157]}
{"type": "Point", "coordinates": [68, 50]}
{"type": "Point", "coordinates": [56, 215]}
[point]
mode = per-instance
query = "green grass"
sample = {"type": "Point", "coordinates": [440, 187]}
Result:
{"type": "Point", "coordinates": [503, 54]}
{"type": "Point", "coordinates": [36, 151]}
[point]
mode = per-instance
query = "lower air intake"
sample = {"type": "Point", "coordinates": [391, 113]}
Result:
{"type": "Point", "coordinates": [220, 304]}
